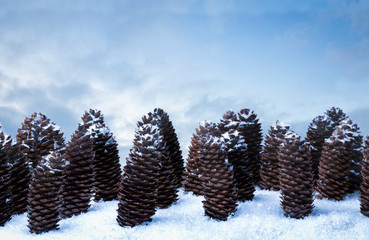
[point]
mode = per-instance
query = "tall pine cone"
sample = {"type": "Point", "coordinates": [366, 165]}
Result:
{"type": "Point", "coordinates": [44, 199]}
{"type": "Point", "coordinates": [5, 144]}
{"type": "Point", "coordinates": [218, 181]}
{"type": "Point", "coordinates": [320, 129]}
{"type": "Point", "coordinates": [38, 137]}
{"type": "Point", "coordinates": [192, 179]}
{"type": "Point", "coordinates": [19, 181]}
{"type": "Point", "coordinates": [334, 167]}
{"type": "Point", "coordinates": [296, 179]}
{"type": "Point", "coordinates": [237, 155]}
{"type": "Point", "coordinates": [78, 174]}
{"type": "Point", "coordinates": [250, 129]}
{"type": "Point", "coordinates": [106, 164]}
{"type": "Point", "coordinates": [137, 192]}
{"type": "Point", "coordinates": [269, 164]}
{"type": "Point", "coordinates": [175, 153]}
{"type": "Point", "coordinates": [364, 187]}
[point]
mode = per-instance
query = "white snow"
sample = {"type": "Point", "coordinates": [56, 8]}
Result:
{"type": "Point", "coordinates": [261, 218]}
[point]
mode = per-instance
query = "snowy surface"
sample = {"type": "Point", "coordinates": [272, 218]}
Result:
{"type": "Point", "coordinates": [261, 218]}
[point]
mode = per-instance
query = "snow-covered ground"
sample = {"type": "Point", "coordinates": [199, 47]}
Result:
{"type": "Point", "coordinates": [261, 218]}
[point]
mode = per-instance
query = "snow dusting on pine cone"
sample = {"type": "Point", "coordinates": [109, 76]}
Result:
{"type": "Point", "coordinates": [237, 155]}
{"type": "Point", "coordinates": [217, 173]}
{"type": "Point", "coordinates": [5, 144]}
{"type": "Point", "coordinates": [106, 166]}
{"type": "Point", "coordinates": [334, 169]}
{"type": "Point", "coordinates": [269, 164]}
{"type": "Point", "coordinates": [296, 179]}
{"type": "Point", "coordinates": [176, 163]}
{"type": "Point", "coordinates": [137, 192]}
{"type": "Point", "coordinates": [44, 199]}
{"type": "Point", "coordinates": [38, 137]}
{"type": "Point", "coordinates": [250, 129]}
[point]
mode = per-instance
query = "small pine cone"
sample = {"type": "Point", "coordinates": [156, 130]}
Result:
{"type": "Point", "coordinates": [19, 181]}
{"type": "Point", "coordinates": [237, 155]}
{"type": "Point", "coordinates": [78, 174]}
{"type": "Point", "coordinates": [44, 199]}
{"type": "Point", "coordinates": [296, 179]}
{"type": "Point", "coordinates": [334, 168]}
{"type": "Point", "coordinates": [5, 144]}
{"type": "Point", "coordinates": [218, 181]}
{"type": "Point", "coordinates": [106, 164]}
{"type": "Point", "coordinates": [269, 164]}
{"type": "Point", "coordinates": [175, 153]}
{"type": "Point", "coordinates": [250, 129]}
{"type": "Point", "coordinates": [38, 137]}
{"type": "Point", "coordinates": [192, 178]}
{"type": "Point", "coordinates": [138, 188]}
{"type": "Point", "coordinates": [364, 187]}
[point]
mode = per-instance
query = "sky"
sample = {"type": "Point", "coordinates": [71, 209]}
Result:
{"type": "Point", "coordinates": [285, 60]}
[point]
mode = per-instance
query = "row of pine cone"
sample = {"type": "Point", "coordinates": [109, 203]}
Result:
{"type": "Point", "coordinates": [51, 180]}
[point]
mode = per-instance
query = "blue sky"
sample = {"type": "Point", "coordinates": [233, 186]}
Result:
{"type": "Point", "coordinates": [286, 60]}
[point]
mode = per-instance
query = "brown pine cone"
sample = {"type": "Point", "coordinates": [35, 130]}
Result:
{"type": "Point", "coordinates": [19, 180]}
{"type": "Point", "coordinates": [237, 155]}
{"type": "Point", "coordinates": [78, 174]}
{"type": "Point", "coordinates": [138, 188]}
{"type": "Point", "coordinates": [269, 164]}
{"type": "Point", "coordinates": [192, 180]}
{"type": "Point", "coordinates": [218, 181]}
{"type": "Point", "coordinates": [296, 179]}
{"type": "Point", "coordinates": [175, 153]}
{"type": "Point", "coordinates": [320, 129]}
{"type": "Point", "coordinates": [364, 187]}
{"type": "Point", "coordinates": [250, 129]}
{"type": "Point", "coordinates": [106, 166]}
{"type": "Point", "coordinates": [44, 199]}
{"type": "Point", "coordinates": [334, 168]}
{"type": "Point", "coordinates": [5, 144]}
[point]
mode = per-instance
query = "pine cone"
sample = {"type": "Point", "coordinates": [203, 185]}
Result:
{"type": "Point", "coordinates": [250, 129]}
{"type": "Point", "coordinates": [78, 174]}
{"type": "Point", "coordinates": [237, 155]}
{"type": "Point", "coordinates": [38, 137]}
{"type": "Point", "coordinates": [106, 164]}
{"type": "Point", "coordinates": [19, 181]}
{"type": "Point", "coordinates": [316, 135]}
{"type": "Point", "coordinates": [170, 173]}
{"type": "Point", "coordinates": [175, 153]}
{"type": "Point", "coordinates": [269, 164]}
{"type": "Point", "coordinates": [218, 181]}
{"type": "Point", "coordinates": [334, 168]}
{"type": "Point", "coordinates": [137, 192]}
{"type": "Point", "coordinates": [296, 179]}
{"type": "Point", "coordinates": [364, 187]}
{"type": "Point", "coordinates": [320, 129]}
{"type": "Point", "coordinates": [44, 197]}
{"type": "Point", "coordinates": [5, 143]}
{"type": "Point", "coordinates": [192, 178]}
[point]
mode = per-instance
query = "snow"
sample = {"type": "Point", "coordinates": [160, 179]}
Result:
{"type": "Point", "coordinates": [261, 218]}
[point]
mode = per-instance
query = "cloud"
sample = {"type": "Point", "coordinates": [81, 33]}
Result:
{"type": "Point", "coordinates": [194, 59]}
